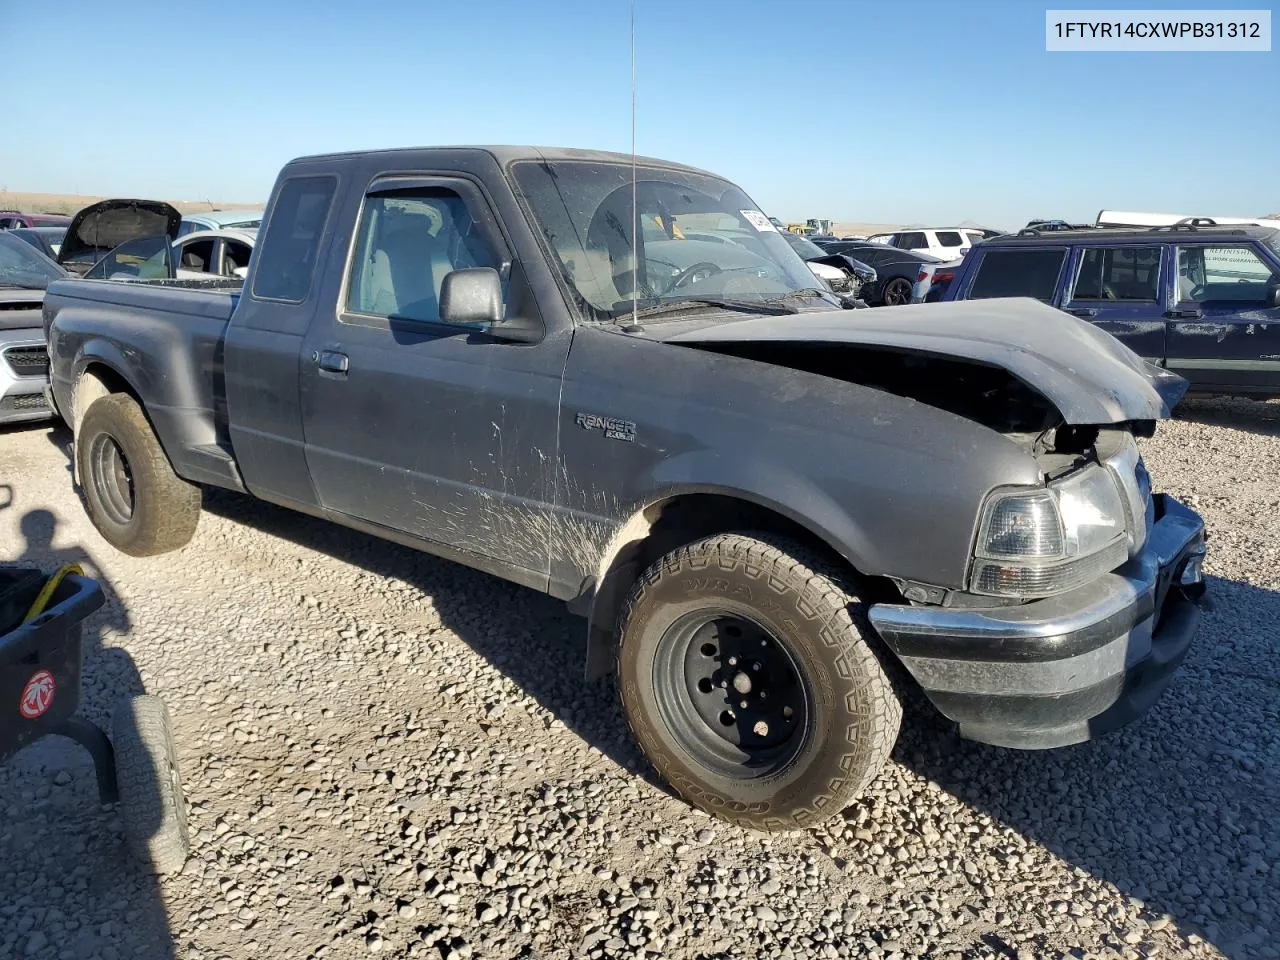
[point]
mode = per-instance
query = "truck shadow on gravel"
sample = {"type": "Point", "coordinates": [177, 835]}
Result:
{"type": "Point", "coordinates": [1178, 809]}
{"type": "Point", "coordinates": [529, 636]}
{"type": "Point", "coordinates": [71, 886]}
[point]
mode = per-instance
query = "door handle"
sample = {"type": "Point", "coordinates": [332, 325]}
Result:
{"type": "Point", "coordinates": [1083, 312]}
{"type": "Point", "coordinates": [1193, 314]}
{"type": "Point", "coordinates": [331, 361]}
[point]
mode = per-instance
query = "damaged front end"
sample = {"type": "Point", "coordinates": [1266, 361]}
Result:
{"type": "Point", "coordinates": [1081, 594]}
{"type": "Point", "coordinates": [982, 359]}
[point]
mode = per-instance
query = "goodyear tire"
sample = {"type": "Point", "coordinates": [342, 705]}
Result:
{"type": "Point", "coordinates": [153, 807]}
{"type": "Point", "coordinates": [139, 505]}
{"type": "Point", "coordinates": [747, 681]}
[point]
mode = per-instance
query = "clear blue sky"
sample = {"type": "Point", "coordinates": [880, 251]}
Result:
{"type": "Point", "coordinates": [893, 111]}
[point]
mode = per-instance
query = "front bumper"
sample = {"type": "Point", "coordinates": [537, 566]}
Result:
{"type": "Point", "coordinates": [22, 386]}
{"type": "Point", "coordinates": [1068, 668]}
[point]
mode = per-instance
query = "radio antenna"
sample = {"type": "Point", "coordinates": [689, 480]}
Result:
{"type": "Point", "coordinates": [635, 214]}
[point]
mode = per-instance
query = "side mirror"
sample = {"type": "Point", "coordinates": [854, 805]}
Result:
{"type": "Point", "coordinates": [1273, 294]}
{"type": "Point", "coordinates": [471, 296]}
{"type": "Point", "coordinates": [240, 272]}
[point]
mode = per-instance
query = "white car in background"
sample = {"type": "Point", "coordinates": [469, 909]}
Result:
{"type": "Point", "coordinates": [250, 219]}
{"type": "Point", "coordinates": [945, 243]}
{"type": "Point", "coordinates": [213, 253]}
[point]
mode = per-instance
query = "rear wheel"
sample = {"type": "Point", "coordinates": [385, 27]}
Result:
{"type": "Point", "coordinates": [746, 678]}
{"type": "Point", "coordinates": [139, 505]}
{"type": "Point", "coordinates": [897, 292]}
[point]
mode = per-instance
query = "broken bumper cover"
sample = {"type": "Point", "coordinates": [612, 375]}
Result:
{"type": "Point", "coordinates": [1068, 668]}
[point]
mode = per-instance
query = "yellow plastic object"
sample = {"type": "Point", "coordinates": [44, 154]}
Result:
{"type": "Point", "coordinates": [42, 599]}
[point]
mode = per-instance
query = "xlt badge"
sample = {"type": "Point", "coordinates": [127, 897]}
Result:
{"type": "Point", "coordinates": [614, 429]}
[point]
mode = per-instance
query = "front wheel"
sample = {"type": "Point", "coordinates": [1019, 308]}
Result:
{"type": "Point", "coordinates": [747, 681]}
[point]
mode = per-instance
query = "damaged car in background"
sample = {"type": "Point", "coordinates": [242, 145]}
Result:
{"type": "Point", "coordinates": [762, 503]}
{"type": "Point", "coordinates": [839, 271]}
{"type": "Point", "coordinates": [25, 272]}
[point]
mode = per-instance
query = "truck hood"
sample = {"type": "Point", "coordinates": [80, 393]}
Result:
{"type": "Point", "coordinates": [101, 227]}
{"type": "Point", "coordinates": [1087, 375]}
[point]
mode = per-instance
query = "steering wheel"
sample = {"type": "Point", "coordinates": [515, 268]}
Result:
{"type": "Point", "coordinates": [691, 274]}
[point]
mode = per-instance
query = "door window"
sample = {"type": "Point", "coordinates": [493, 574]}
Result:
{"type": "Point", "coordinates": [911, 241]}
{"type": "Point", "coordinates": [197, 255]}
{"type": "Point", "coordinates": [1234, 274]}
{"type": "Point", "coordinates": [1018, 273]}
{"type": "Point", "coordinates": [146, 258]}
{"type": "Point", "coordinates": [408, 241]}
{"type": "Point", "coordinates": [949, 238]}
{"type": "Point", "coordinates": [235, 257]}
{"type": "Point", "coordinates": [1119, 273]}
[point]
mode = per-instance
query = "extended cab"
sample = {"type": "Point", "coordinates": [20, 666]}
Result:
{"type": "Point", "coordinates": [759, 500]}
{"type": "Point", "coordinates": [1198, 298]}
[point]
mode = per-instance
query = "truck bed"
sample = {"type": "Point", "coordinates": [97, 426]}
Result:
{"type": "Point", "coordinates": [165, 337]}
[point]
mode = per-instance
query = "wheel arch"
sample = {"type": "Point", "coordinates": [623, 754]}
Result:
{"type": "Point", "coordinates": [97, 377]}
{"type": "Point", "coordinates": [684, 516]}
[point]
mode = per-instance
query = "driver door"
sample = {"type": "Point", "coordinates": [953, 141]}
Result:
{"type": "Point", "coordinates": [423, 427]}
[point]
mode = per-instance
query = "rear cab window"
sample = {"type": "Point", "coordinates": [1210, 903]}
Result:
{"type": "Point", "coordinates": [287, 260]}
{"type": "Point", "coordinates": [1018, 273]}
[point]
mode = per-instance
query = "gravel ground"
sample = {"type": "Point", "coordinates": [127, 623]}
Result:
{"type": "Point", "coordinates": [389, 754]}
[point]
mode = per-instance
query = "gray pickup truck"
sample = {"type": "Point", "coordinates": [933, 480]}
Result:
{"type": "Point", "coordinates": [773, 512]}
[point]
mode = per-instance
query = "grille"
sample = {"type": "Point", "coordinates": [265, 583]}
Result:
{"type": "Point", "coordinates": [27, 401]}
{"type": "Point", "coordinates": [28, 361]}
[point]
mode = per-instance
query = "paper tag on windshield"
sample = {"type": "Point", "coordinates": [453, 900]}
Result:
{"type": "Point", "coordinates": [758, 220]}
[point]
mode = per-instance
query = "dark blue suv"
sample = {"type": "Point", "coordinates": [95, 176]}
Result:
{"type": "Point", "coordinates": [1198, 298]}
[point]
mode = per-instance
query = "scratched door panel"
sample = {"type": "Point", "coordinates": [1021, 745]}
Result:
{"type": "Point", "coordinates": [446, 437]}
{"type": "Point", "coordinates": [1222, 334]}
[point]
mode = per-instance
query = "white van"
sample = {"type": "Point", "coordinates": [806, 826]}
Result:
{"type": "Point", "coordinates": [1129, 218]}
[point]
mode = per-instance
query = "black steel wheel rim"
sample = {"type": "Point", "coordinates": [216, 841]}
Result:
{"type": "Point", "coordinates": [731, 694]}
{"type": "Point", "coordinates": [112, 478]}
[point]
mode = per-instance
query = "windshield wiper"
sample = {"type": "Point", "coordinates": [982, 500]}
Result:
{"type": "Point", "coordinates": [653, 306]}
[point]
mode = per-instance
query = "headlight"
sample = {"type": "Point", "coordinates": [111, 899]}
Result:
{"type": "Point", "coordinates": [1035, 543]}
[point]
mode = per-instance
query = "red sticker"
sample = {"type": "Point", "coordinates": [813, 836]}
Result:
{"type": "Point", "coordinates": [37, 695]}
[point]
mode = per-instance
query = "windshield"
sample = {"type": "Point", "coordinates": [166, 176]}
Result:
{"type": "Point", "coordinates": [22, 265]}
{"type": "Point", "coordinates": [700, 237]}
{"type": "Point", "coordinates": [1273, 242]}
{"type": "Point", "coordinates": [804, 246]}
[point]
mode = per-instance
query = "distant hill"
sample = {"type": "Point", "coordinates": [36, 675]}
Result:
{"type": "Point", "coordinates": [70, 203]}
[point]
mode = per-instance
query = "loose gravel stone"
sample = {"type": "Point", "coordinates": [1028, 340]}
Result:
{"type": "Point", "coordinates": [386, 753]}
